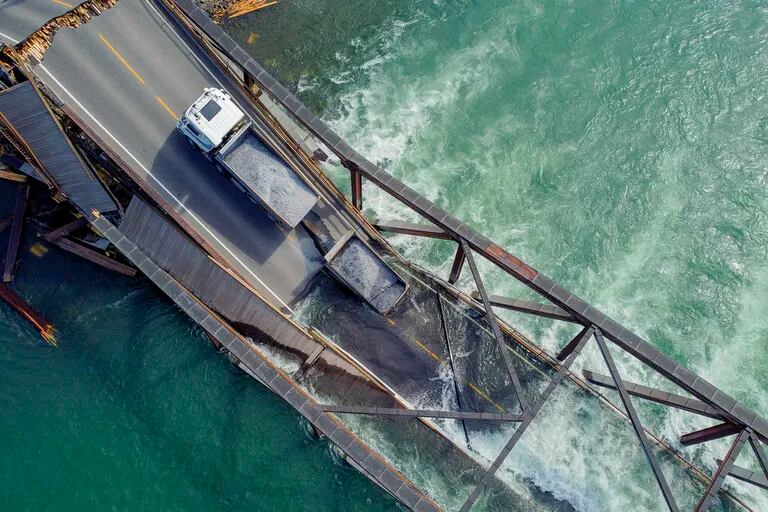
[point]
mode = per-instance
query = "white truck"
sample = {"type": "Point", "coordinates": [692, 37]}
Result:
{"type": "Point", "coordinates": [216, 125]}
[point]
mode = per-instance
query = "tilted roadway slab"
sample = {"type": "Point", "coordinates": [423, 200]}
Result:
{"type": "Point", "coordinates": [19, 18]}
{"type": "Point", "coordinates": [127, 73]}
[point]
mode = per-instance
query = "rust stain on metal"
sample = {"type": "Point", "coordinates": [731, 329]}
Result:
{"type": "Point", "coordinates": [25, 310]}
{"type": "Point", "coordinates": [516, 263]}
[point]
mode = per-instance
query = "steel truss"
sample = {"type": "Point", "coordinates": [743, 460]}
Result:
{"type": "Point", "coordinates": [557, 303]}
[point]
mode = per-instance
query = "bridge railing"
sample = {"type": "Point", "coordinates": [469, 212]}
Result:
{"type": "Point", "coordinates": [708, 400]}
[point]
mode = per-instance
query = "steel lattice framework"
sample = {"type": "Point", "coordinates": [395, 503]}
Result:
{"type": "Point", "coordinates": [560, 304]}
{"type": "Point", "coordinates": [557, 303]}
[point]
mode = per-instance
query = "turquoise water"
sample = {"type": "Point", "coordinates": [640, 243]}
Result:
{"type": "Point", "coordinates": [619, 147]}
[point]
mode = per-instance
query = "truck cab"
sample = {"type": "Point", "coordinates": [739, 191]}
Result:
{"type": "Point", "coordinates": [209, 120]}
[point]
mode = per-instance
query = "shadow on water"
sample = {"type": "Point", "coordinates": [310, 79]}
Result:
{"type": "Point", "coordinates": [286, 261]}
{"type": "Point", "coordinates": [134, 410]}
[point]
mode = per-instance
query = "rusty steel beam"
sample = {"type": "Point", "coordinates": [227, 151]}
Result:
{"type": "Point", "coordinates": [722, 471]}
{"type": "Point", "coordinates": [530, 307]}
{"type": "Point", "coordinates": [43, 326]}
{"type": "Point", "coordinates": [408, 228]}
{"type": "Point", "coordinates": [458, 265]}
{"type": "Point", "coordinates": [528, 416]}
{"type": "Point", "coordinates": [495, 326]}
{"type": "Point", "coordinates": [656, 395]}
{"type": "Point", "coordinates": [710, 433]}
{"type": "Point", "coordinates": [759, 452]}
{"type": "Point", "coordinates": [66, 229]}
{"type": "Point", "coordinates": [421, 413]}
{"type": "Point", "coordinates": [95, 257]}
{"type": "Point", "coordinates": [636, 424]}
{"type": "Point", "coordinates": [22, 196]}
{"type": "Point", "coordinates": [575, 342]}
{"type": "Point", "coordinates": [13, 176]}
{"type": "Point", "coordinates": [357, 189]}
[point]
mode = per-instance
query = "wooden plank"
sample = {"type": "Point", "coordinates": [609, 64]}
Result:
{"type": "Point", "coordinates": [15, 239]}
{"type": "Point", "coordinates": [13, 176]}
{"type": "Point", "coordinates": [25, 310]}
{"type": "Point", "coordinates": [95, 257]}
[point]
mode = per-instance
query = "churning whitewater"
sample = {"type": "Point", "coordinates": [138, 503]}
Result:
{"type": "Point", "coordinates": [620, 148]}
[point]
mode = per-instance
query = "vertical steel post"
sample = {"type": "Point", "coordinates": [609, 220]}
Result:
{"type": "Point", "coordinates": [15, 237]}
{"type": "Point", "coordinates": [759, 453]}
{"type": "Point", "coordinates": [636, 424]}
{"type": "Point", "coordinates": [722, 471]}
{"type": "Point", "coordinates": [458, 264]}
{"type": "Point", "coordinates": [357, 189]}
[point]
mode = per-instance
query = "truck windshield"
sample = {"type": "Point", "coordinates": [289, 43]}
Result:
{"type": "Point", "coordinates": [210, 109]}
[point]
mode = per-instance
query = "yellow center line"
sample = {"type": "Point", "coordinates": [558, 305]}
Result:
{"type": "Point", "coordinates": [121, 59]}
{"type": "Point", "coordinates": [166, 107]}
{"type": "Point", "coordinates": [484, 395]}
{"type": "Point", "coordinates": [471, 386]}
{"type": "Point", "coordinates": [429, 352]}
{"type": "Point", "coordinates": [65, 4]}
{"type": "Point", "coordinates": [391, 322]}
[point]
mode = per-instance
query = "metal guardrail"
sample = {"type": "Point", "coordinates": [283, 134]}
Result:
{"type": "Point", "coordinates": [749, 425]}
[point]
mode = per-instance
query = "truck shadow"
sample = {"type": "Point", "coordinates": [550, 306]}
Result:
{"type": "Point", "coordinates": [240, 230]}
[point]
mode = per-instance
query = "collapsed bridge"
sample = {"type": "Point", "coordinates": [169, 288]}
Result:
{"type": "Point", "coordinates": [264, 296]}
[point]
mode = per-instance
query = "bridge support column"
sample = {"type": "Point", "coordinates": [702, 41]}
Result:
{"type": "Point", "coordinates": [458, 264]}
{"type": "Point", "coordinates": [357, 189]}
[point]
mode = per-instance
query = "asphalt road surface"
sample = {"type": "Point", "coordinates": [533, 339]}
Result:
{"type": "Point", "coordinates": [19, 18]}
{"type": "Point", "coordinates": [128, 73]}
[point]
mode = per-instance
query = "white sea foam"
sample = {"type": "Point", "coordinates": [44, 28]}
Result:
{"type": "Point", "coordinates": [412, 124]}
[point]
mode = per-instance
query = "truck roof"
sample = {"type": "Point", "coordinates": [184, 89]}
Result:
{"type": "Point", "coordinates": [214, 114]}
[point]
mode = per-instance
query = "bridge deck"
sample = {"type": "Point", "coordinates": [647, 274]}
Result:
{"type": "Point", "coordinates": [134, 49]}
{"type": "Point", "coordinates": [159, 69]}
{"type": "Point", "coordinates": [24, 110]}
